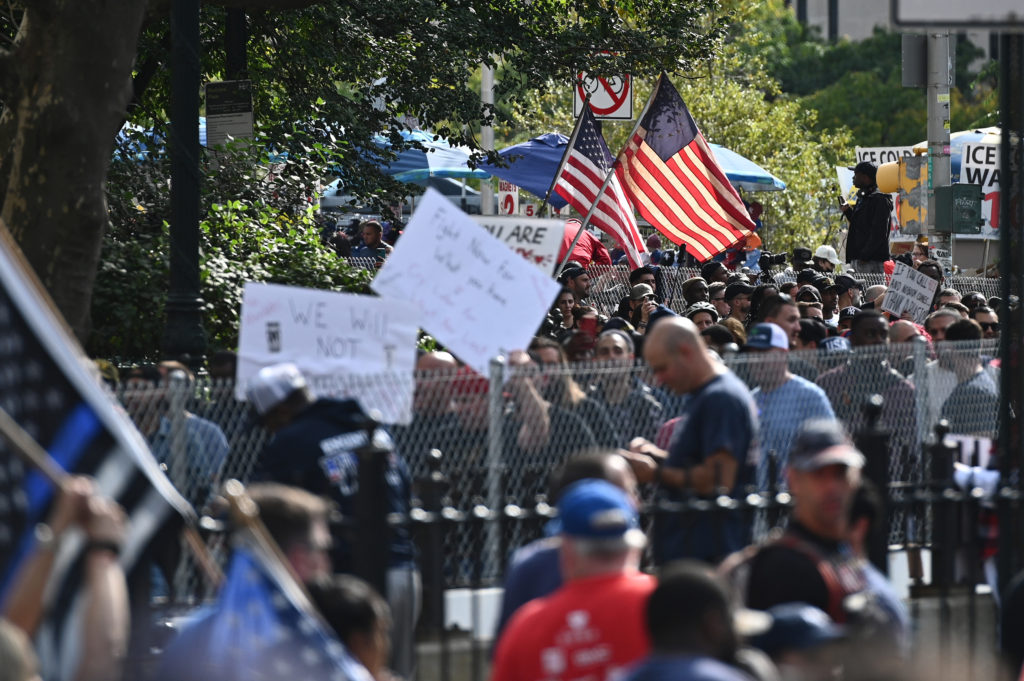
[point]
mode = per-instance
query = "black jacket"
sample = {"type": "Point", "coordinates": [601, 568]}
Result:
{"type": "Point", "coordinates": [869, 226]}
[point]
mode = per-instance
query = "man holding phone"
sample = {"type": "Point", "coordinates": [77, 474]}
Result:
{"type": "Point", "coordinates": [374, 245]}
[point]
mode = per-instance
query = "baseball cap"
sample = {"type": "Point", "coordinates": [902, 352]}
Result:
{"type": "Point", "coordinates": [835, 345]}
{"type": "Point", "coordinates": [827, 253]}
{"type": "Point", "coordinates": [844, 282]}
{"type": "Point", "coordinates": [640, 291]}
{"type": "Point", "coordinates": [702, 306]}
{"type": "Point", "coordinates": [737, 288]}
{"type": "Point", "coordinates": [598, 510]}
{"type": "Point", "coordinates": [848, 312]}
{"type": "Point", "coordinates": [808, 290]}
{"type": "Point", "coordinates": [796, 626]}
{"type": "Point", "coordinates": [866, 167]}
{"type": "Point", "coordinates": [806, 277]}
{"type": "Point", "coordinates": [766, 336]}
{"type": "Point", "coordinates": [820, 443]}
{"type": "Point", "coordinates": [272, 385]}
{"type": "Point", "coordinates": [571, 272]}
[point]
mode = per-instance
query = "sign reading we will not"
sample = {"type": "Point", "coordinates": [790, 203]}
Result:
{"type": "Point", "coordinates": [909, 291]}
{"type": "Point", "coordinates": [346, 345]}
{"type": "Point", "coordinates": [472, 292]}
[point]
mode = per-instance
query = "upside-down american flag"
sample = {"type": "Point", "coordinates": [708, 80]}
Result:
{"type": "Point", "coordinates": [585, 169]}
{"type": "Point", "coordinates": [673, 179]}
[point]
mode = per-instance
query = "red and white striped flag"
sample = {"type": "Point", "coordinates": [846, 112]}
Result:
{"type": "Point", "coordinates": [673, 179]}
{"type": "Point", "coordinates": [582, 176]}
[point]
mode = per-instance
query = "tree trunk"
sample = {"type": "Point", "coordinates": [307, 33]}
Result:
{"type": "Point", "coordinates": [67, 87]}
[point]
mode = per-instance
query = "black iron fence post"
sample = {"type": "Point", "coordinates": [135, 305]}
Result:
{"type": "Point", "coordinates": [873, 442]}
{"type": "Point", "coordinates": [372, 531]}
{"type": "Point", "coordinates": [944, 531]}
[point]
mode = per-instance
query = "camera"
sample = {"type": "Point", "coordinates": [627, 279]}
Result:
{"type": "Point", "coordinates": [768, 259]}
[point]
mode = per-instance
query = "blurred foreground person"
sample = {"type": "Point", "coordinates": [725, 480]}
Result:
{"type": "Point", "coordinates": [592, 627]}
{"type": "Point", "coordinates": [690, 622]}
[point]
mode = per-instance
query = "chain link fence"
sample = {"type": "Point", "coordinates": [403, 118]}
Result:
{"type": "Point", "coordinates": [501, 436]}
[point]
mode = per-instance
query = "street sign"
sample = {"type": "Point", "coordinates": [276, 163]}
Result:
{"type": "Point", "coordinates": [610, 97]}
{"type": "Point", "coordinates": [508, 198]}
{"type": "Point", "coordinates": [1005, 15]}
{"type": "Point", "coordinates": [228, 111]}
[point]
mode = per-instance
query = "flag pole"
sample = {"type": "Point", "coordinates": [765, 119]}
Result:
{"type": "Point", "coordinates": [565, 155]}
{"type": "Point", "coordinates": [35, 456]}
{"type": "Point", "coordinates": [586, 219]}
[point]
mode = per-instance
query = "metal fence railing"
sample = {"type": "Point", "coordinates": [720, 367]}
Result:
{"type": "Point", "coordinates": [492, 454]}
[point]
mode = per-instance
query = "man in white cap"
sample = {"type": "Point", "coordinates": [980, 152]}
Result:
{"type": "Point", "coordinates": [825, 259]}
{"type": "Point", "coordinates": [314, 447]}
{"type": "Point", "coordinates": [593, 626]}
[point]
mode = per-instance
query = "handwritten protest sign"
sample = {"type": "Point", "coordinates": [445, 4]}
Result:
{"type": "Point", "coordinates": [536, 239]}
{"type": "Point", "coordinates": [345, 344]}
{"type": "Point", "coordinates": [472, 293]}
{"type": "Point", "coordinates": [909, 291]}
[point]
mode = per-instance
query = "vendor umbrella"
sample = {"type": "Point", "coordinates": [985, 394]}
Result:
{"type": "Point", "coordinates": [533, 164]}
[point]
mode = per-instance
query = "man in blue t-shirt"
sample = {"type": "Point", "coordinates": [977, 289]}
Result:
{"type": "Point", "coordinates": [714, 445]}
{"type": "Point", "coordinates": [784, 401]}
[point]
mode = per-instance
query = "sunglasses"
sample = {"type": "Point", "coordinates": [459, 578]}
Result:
{"type": "Point", "coordinates": [987, 326]}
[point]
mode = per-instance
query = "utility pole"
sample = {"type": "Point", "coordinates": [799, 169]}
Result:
{"type": "Point", "coordinates": [940, 78]}
{"type": "Point", "coordinates": [487, 136]}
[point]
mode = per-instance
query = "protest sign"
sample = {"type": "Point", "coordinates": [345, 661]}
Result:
{"type": "Point", "coordinates": [346, 345]}
{"type": "Point", "coordinates": [979, 164]}
{"type": "Point", "coordinates": [472, 293]}
{"type": "Point", "coordinates": [880, 155]}
{"type": "Point", "coordinates": [909, 291]}
{"type": "Point", "coordinates": [536, 239]}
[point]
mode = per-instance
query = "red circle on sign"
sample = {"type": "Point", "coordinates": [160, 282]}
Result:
{"type": "Point", "coordinates": [617, 99]}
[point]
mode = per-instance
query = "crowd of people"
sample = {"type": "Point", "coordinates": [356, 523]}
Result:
{"type": "Point", "coordinates": [663, 401]}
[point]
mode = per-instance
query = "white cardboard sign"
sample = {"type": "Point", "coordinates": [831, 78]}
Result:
{"type": "Point", "coordinates": [472, 293]}
{"type": "Point", "coordinates": [909, 291]}
{"type": "Point", "coordinates": [345, 344]}
{"type": "Point", "coordinates": [536, 239]}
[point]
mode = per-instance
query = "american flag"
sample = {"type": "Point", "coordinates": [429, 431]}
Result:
{"type": "Point", "coordinates": [52, 391]}
{"type": "Point", "coordinates": [670, 173]}
{"type": "Point", "coordinates": [260, 627]}
{"type": "Point", "coordinates": [584, 172]}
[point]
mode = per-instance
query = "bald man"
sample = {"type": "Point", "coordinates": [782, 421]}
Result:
{"type": "Point", "coordinates": [714, 446]}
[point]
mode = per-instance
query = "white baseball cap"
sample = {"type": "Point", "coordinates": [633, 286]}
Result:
{"type": "Point", "coordinates": [272, 386]}
{"type": "Point", "coordinates": [827, 253]}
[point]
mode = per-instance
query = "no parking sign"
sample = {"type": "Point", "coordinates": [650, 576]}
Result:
{"type": "Point", "coordinates": [610, 97]}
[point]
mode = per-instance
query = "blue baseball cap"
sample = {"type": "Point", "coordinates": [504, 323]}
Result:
{"type": "Point", "coordinates": [598, 510]}
{"type": "Point", "coordinates": [835, 345]}
{"type": "Point", "coordinates": [797, 626]}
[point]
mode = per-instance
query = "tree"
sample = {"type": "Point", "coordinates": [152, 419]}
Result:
{"type": "Point", "coordinates": [354, 68]}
